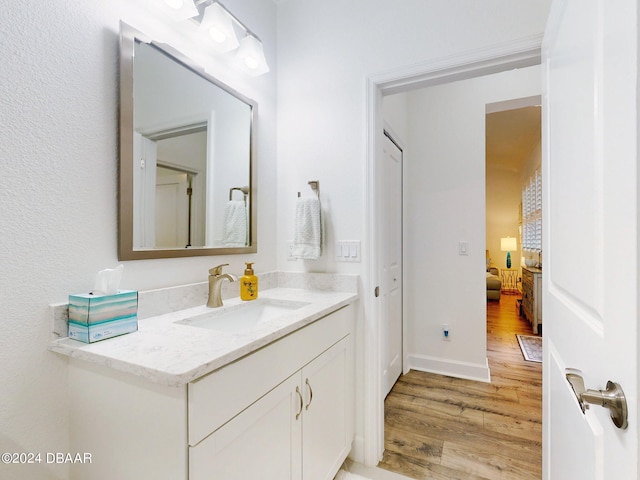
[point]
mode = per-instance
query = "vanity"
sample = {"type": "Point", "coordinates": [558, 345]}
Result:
{"type": "Point", "coordinates": [261, 389]}
{"type": "Point", "coordinates": [180, 399]}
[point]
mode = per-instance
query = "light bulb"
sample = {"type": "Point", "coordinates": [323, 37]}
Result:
{"type": "Point", "coordinates": [217, 26]}
{"type": "Point", "coordinates": [217, 35]}
{"type": "Point", "coordinates": [175, 4]}
{"type": "Point", "coordinates": [176, 9]}
{"type": "Point", "coordinates": [251, 63]}
{"type": "Point", "coordinates": [250, 56]}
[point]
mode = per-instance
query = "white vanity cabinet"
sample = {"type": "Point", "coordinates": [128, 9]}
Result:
{"type": "Point", "coordinates": [284, 411]}
{"type": "Point", "coordinates": [299, 430]}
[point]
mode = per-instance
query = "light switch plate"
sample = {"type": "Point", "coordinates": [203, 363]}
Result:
{"type": "Point", "coordinates": [348, 251]}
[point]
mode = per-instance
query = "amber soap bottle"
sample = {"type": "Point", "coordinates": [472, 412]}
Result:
{"type": "Point", "coordinates": [248, 283]}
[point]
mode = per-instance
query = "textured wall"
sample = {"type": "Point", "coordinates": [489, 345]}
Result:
{"type": "Point", "coordinates": [58, 190]}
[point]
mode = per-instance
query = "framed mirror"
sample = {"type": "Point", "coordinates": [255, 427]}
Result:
{"type": "Point", "coordinates": [187, 166]}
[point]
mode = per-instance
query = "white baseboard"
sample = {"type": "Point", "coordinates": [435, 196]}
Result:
{"type": "Point", "coordinates": [452, 368]}
{"type": "Point", "coordinates": [357, 450]}
{"type": "Point", "coordinates": [368, 473]}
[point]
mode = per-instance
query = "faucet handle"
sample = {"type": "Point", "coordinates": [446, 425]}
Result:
{"type": "Point", "coordinates": [218, 270]}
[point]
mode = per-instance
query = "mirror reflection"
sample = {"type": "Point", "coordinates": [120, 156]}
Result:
{"type": "Point", "coordinates": [186, 169]}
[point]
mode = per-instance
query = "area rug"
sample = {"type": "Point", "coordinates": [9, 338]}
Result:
{"type": "Point", "coordinates": [531, 347]}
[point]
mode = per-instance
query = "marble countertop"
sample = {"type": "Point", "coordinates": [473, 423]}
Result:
{"type": "Point", "coordinates": [173, 354]}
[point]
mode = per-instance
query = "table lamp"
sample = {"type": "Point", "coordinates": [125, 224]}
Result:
{"type": "Point", "coordinates": [508, 244]}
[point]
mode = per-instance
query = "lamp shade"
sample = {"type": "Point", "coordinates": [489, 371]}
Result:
{"type": "Point", "coordinates": [250, 56]}
{"type": "Point", "coordinates": [508, 244]}
{"type": "Point", "coordinates": [177, 9]}
{"type": "Point", "coordinates": [217, 26]}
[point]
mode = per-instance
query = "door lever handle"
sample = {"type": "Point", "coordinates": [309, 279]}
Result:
{"type": "Point", "coordinates": [612, 398]}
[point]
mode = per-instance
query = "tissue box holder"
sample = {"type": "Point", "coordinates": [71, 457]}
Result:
{"type": "Point", "coordinates": [98, 317]}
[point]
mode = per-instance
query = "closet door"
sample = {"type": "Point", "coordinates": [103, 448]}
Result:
{"type": "Point", "coordinates": [391, 285]}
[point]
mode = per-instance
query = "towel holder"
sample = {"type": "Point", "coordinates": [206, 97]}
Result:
{"type": "Point", "coordinates": [315, 186]}
{"type": "Point", "coordinates": [244, 190]}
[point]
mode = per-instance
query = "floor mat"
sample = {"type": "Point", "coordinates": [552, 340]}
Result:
{"type": "Point", "coordinates": [531, 347]}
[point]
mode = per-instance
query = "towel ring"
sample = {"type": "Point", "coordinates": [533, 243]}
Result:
{"type": "Point", "coordinates": [315, 186]}
{"type": "Point", "coordinates": [244, 190]}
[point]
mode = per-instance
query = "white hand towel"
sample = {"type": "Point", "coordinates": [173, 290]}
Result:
{"type": "Point", "coordinates": [235, 226]}
{"type": "Point", "coordinates": [307, 236]}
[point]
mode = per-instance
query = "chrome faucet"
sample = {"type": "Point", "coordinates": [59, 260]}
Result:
{"type": "Point", "coordinates": [215, 284]}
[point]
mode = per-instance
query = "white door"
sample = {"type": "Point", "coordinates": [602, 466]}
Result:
{"type": "Point", "coordinates": [171, 209]}
{"type": "Point", "coordinates": [391, 207]}
{"type": "Point", "coordinates": [590, 262]}
{"type": "Point", "coordinates": [144, 192]}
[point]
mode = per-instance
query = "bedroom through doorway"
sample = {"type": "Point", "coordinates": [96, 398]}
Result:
{"type": "Point", "coordinates": [514, 206]}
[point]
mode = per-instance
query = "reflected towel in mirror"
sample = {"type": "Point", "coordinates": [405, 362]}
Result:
{"type": "Point", "coordinates": [307, 237]}
{"type": "Point", "coordinates": [235, 227]}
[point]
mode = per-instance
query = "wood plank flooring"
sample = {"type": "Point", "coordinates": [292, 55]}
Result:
{"type": "Point", "coordinates": [445, 428]}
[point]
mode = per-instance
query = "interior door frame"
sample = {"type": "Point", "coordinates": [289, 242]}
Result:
{"type": "Point", "coordinates": [524, 52]}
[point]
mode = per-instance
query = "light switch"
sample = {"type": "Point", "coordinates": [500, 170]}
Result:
{"type": "Point", "coordinates": [463, 248]}
{"type": "Point", "coordinates": [348, 250]}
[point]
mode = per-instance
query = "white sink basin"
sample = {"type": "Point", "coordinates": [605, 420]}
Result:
{"type": "Point", "coordinates": [245, 316]}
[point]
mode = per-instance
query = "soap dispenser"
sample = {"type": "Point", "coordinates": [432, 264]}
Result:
{"type": "Point", "coordinates": [249, 284]}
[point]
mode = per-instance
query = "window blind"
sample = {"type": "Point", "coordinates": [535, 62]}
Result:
{"type": "Point", "coordinates": [532, 214]}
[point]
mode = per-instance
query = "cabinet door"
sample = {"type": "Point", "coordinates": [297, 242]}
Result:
{"type": "Point", "coordinates": [264, 441]}
{"type": "Point", "coordinates": [327, 429]}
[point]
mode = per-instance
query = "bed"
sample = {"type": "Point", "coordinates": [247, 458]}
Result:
{"type": "Point", "coordinates": [494, 284]}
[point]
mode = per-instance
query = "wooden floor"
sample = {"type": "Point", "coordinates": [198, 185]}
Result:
{"type": "Point", "coordinates": [439, 427]}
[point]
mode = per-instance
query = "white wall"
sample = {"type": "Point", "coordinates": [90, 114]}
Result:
{"type": "Point", "coordinates": [445, 204]}
{"type": "Point", "coordinates": [326, 52]}
{"type": "Point", "coordinates": [58, 91]}
{"type": "Point", "coordinates": [504, 195]}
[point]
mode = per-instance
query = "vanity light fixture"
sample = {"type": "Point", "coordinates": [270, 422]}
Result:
{"type": "Point", "coordinates": [250, 56]}
{"type": "Point", "coordinates": [221, 25]}
{"type": "Point", "coordinates": [177, 9]}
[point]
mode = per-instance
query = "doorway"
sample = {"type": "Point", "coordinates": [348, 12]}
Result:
{"type": "Point", "coordinates": [483, 63]}
{"type": "Point", "coordinates": [513, 161]}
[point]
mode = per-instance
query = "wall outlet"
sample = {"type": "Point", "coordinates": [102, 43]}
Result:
{"type": "Point", "coordinates": [290, 256]}
{"type": "Point", "coordinates": [446, 331]}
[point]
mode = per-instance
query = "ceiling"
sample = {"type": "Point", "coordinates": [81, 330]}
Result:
{"type": "Point", "coordinates": [511, 137]}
